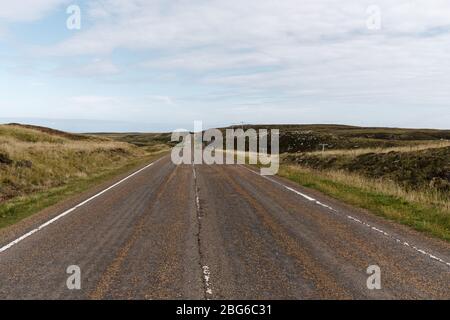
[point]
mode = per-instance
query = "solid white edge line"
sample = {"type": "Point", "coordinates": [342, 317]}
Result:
{"type": "Point", "coordinates": [42, 226]}
{"type": "Point", "coordinates": [404, 243]}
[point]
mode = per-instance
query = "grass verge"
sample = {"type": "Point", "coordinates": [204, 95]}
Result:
{"type": "Point", "coordinates": [431, 217]}
{"type": "Point", "coordinates": [19, 208]}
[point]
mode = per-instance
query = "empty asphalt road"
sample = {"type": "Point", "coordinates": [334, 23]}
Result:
{"type": "Point", "coordinates": [215, 232]}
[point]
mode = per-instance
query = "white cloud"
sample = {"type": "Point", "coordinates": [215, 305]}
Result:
{"type": "Point", "coordinates": [138, 24]}
{"type": "Point", "coordinates": [3, 31]}
{"type": "Point", "coordinates": [93, 68]}
{"type": "Point", "coordinates": [286, 55]}
{"type": "Point", "coordinates": [272, 43]}
{"type": "Point", "coordinates": [27, 10]}
{"type": "Point", "coordinates": [119, 107]}
{"type": "Point", "coordinates": [165, 99]}
{"type": "Point", "coordinates": [200, 60]}
{"type": "Point", "coordinates": [90, 101]}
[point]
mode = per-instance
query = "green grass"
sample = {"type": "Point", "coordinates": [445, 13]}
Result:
{"type": "Point", "coordinates": [432, 220]}
{"type": "Point", "coordinates": [19, 208]}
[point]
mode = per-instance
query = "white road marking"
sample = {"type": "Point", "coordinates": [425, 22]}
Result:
{"type": "Point", "coordinates": [297, 192]}
{"type": "Point", "coordinates": [293, 190]}
{"type": "Point", "coordinates": [197, 199]}
{"type": "Point", "coordinates": [65, 213]}
{"type": "Point", "coordinates": [205, 269]}
{"type": "Point", "coordinates": [399, 241]}
{"type": "Point", "coordinates": [404, 243]}
{"type": "Point", "coordinates": [207, 276]}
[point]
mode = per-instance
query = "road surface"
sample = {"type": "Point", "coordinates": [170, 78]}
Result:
{"type": "Point", "coordinates": [215, 232]}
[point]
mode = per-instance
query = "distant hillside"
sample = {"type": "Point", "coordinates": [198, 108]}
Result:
{"type": "Point", "coordinates": [361, 132]}
{"type": "Point", "coordinates": [52, 132]}
{"type": "Point", "coordinates": [306, 138]}
{"type": "Point", "coordinates": [148, 141]}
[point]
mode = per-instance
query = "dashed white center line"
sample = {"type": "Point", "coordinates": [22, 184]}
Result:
{"type": "Point", "coordinates": [205, 269]}
{"type": "Point", "coordinates": [65, 213]}
{"type": "Point", "coordinates": [207, 276]}
{"type": "Point", "coordinates": [399, 241]}
{"type": "Point", "coordinates": [197, 199]}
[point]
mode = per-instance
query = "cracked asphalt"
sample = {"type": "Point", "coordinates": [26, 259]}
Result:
{"type": "Point", "coordinates": [216, 232]}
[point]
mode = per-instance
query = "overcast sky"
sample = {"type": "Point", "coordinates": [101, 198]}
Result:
{"type": "Point", "coordinates": [144, 65]}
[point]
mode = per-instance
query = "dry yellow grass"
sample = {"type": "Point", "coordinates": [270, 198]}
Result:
{"type": "Point", "coordinates": [426, 197]}
{"type": "Point", "coordinates": [42, 160]}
